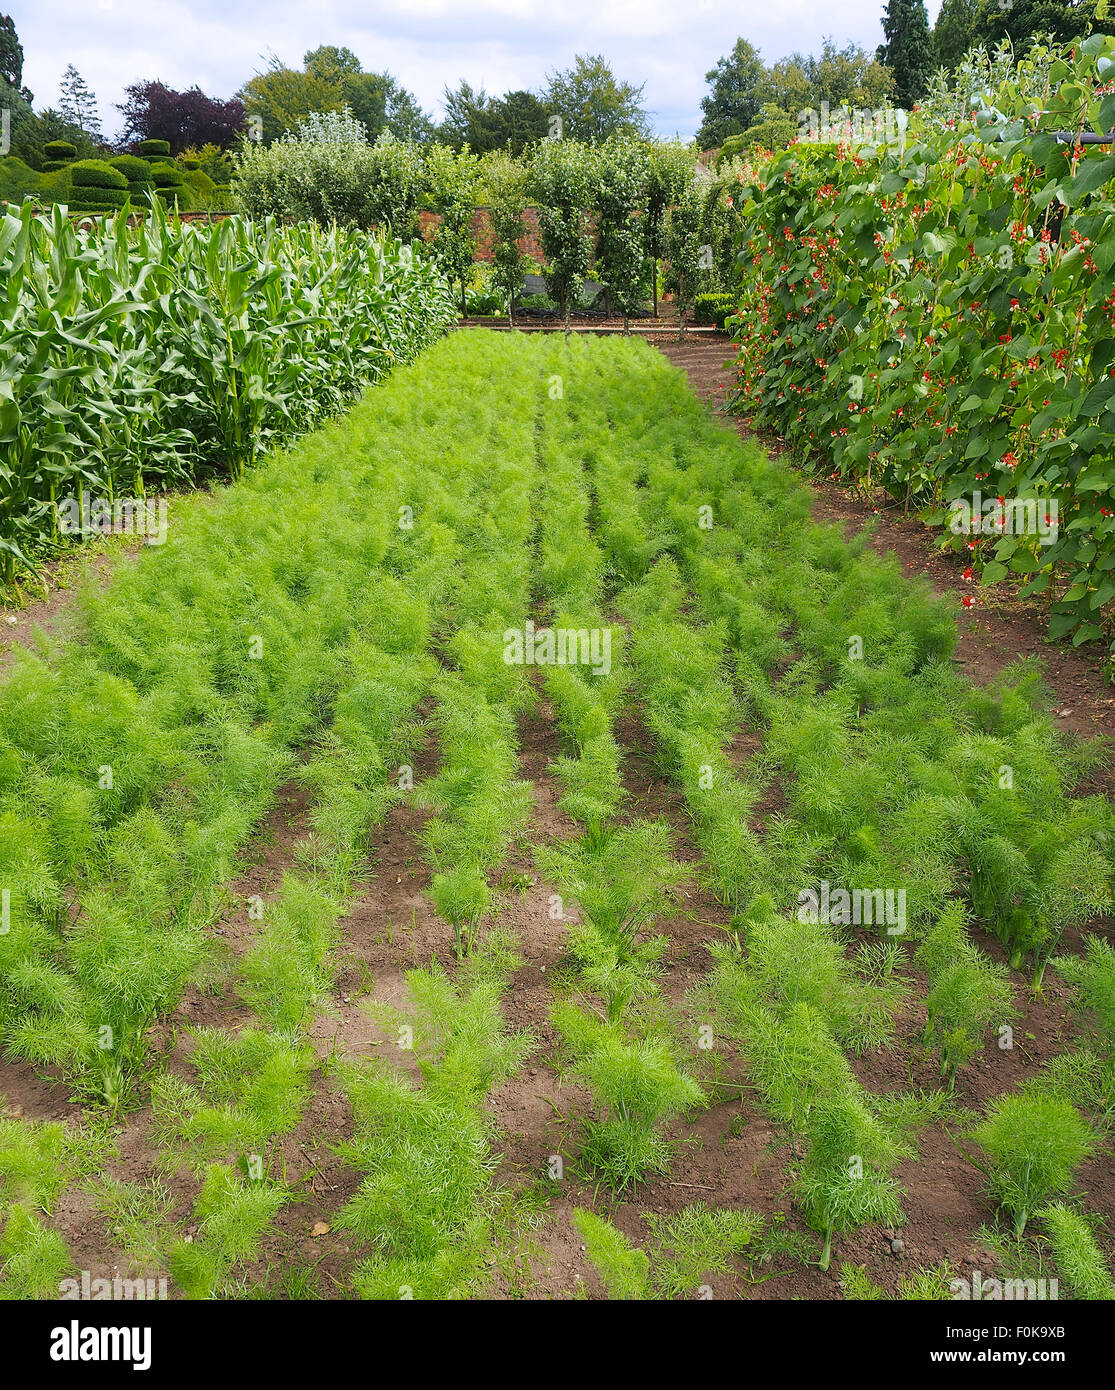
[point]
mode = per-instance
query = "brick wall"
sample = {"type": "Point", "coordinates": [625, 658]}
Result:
{"type": "Point", "coordinates": [530, 244]}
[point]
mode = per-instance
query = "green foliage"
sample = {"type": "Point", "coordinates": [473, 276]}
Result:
{"type": "Point", "coordinates": [1092, 974]}
{"type": "Point", "coordinates": [1034, 1142]}
{"type": "Point", "coordinates": [95, 173]}
{"type": "Point", "coordinates": [135, 170]}
{"type": "Point", "coordinates": [750, 106]}
{"type": "Point", "coordinates": [231, 1216]}
{"type": "Point", "coordinates": [843, 1182]}
{"type": "Point", "coordinates": [199, 365]}
{"type": "Point", "coordinates": [98, 199]}
{"type": "Point", "coordinates": [61, 150]}
{"type": "Point", "coordinates": [734, 97]}
{"type": "Point", "coordinates": [623, 175]}
{"type": "Point", "coordinates": [33, 1162]}
{"type": "Point", "coordinates": [622, 884]}
{"type": "Point", "coordinates": [1080, 1262]}
{"type": "Point", "coordinates": [713, 308]}
{"type": "Point", "coordinates": [450, 186]}
{"type": "Point", "coordinates": [697, 1242]}
{"type": "Point", "coordinates": [968, 992]}
{"type": "Point", "coordinates": [33, 1259]}
{"type": "Point", "coordinates": [251, 1087]}
{"type": "Point", "coordinates": [681, 247]}
{"type": "Point", "coordinates": [167, 176]}
{"type": "Point", "coordinates": [684, 1250]}
{"type": "Point", "coordinates": [637, 1086]}
{"type": "Point", "coordinates": [991, 366]}
{"type": "Point", "coordinates": [592, 104]}
{"type": "Point", "coordinates": [426, 1202]}
{"type": "Point", "coordinates": [623, 1268]}
{"type": "Point", "coordinates": [505, 188]}
{"type": "Point", "coordinates": [672, 166]}
{"type": "Point", "coordinates": [907, 49]}
{"type": "Point", "coordinates": [326, 171]}
{"type": "Point", "coordinates": [509, 124]}
{"type": "Point", "coordinates": [858, 1286]}
{"type": "Point", "coordinates": [562, 178]}
{"type": "Point", "coordinates": [199, 735]}
{"type": "Point", "coordinates": [154, 150]}
{"type": "Point", "coordinates": [332, 80]}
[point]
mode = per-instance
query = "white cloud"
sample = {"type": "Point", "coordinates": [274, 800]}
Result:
{"type": "Point", "coordinates": [426, 44]}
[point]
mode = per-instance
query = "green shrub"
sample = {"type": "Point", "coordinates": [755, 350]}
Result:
{"type": "Point", "coordinates": [167, 176]}
{"type": "Point", "coordinates": [1079, 1259]}
{"type": "Point", "coordinates": [60, 151]}
{"type": "Point", "coordinates": [1034, 1143]}
{"type": "Point", "coordinates": [95, 173]}
{"type": "Point", "coordinates": [98, 199]}
{"type": "Point", "coordinates": [326, 171]}
{"type": "Point", "coordinates": [623, 1267]}
{"type": "Point", "coordinates": [713, 308]}
{"type": "Point", "coordinates": [155, 149]}
{"type": "Point", "coordinates": [135, 170]}
{"type": "Point", "coordinates": [637, 1086]}
{"type": "Point", "coordinates": [51, 166]}
{"type": "Point", "coordinates": [17, 180]}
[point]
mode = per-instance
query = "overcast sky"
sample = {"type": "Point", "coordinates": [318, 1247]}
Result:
{"type": "Point", "coordinates": [499, 44]}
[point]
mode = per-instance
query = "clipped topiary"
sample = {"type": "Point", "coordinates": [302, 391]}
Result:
{"type": "Point", "coordinates": [167, 176]}
{"type": "Point", "coordinates": [59, 150]}
{"type": "Point", "coordinates": [99, 198]}
{"type": "Point", "coordinates": [134, 169]}
{"type": "Point", "coordinates": [154, 149]}
{"type": "Point", "coordinates": [95, 173]}
{"type": "Point", "coordinates": [175, 198]}
{"type": "Point", "coordinates": [51, 166]}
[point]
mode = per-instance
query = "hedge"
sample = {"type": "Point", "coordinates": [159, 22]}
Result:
{"type": "Point", "coordinates": [92, 196]}
{"type": "Point", "coordinates": [60, 151]}
{"type": "Point", "coordinates": [713, 308]}
{"type": "Point", "coordinates": [95, 173]}
{"type": "Point", "coordinates": [134, 169]}
{"type": "Point", "coordinates": [154, 149]}
{"type": "Point", "coordinates": [166, 176]}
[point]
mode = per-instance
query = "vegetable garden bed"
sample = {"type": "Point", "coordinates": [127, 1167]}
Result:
{"type": "Point", "coordinates": [359, 945]}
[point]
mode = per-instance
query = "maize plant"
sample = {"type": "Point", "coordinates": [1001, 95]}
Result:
{"type": "Point", "coordinates": [141, 357]}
